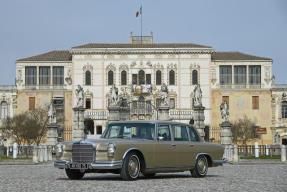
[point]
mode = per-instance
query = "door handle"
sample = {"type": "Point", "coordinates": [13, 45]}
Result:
{"type": "Point", "coordinates": [173, 145]}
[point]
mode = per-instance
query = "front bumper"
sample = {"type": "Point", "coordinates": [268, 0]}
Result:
{"type": "Point", "coordinates": [63, 164]}
{"type": "Point", "coordinates": [216, 163]}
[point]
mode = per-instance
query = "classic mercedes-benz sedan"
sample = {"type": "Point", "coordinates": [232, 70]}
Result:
{"type": "Point", "coordinates": [132, 147]}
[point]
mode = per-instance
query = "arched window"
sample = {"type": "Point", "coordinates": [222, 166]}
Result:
{"type": "Point", "coordinates": [123, 78]}
{"type": "Point", "coordinates": [194, 77]}
{"type": "Point", "coordinates": [158, 77]}
{"type": "Point", "coordinates": [284, 109]}
{"type": "Point", "coordinates": [141, 77]}
{"type": "Point", "coordinates": [4, 110]}
{"type": "Point", "coordinates": [88, 78]}
{"type": "Point", "coordinates": [110, 78]}
{"type": "Point", "coordinates": [171, 77]}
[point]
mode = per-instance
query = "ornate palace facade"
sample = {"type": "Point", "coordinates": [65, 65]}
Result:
{"type": "Point", "coordinates": [139, 69]}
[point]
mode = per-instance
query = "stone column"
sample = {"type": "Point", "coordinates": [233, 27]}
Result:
{"type": "Point", "coordinates": [198, 117]}
{"type": "Point", "coordinates": [226, 134]}
{"type": "Point", "coordinates": [163, 113]}
{"type": "Point", "coordinates": [50, 150]}
{"type": "Point", "coordinates": [78, 124]}
{"type": "Point", "coordinates": [52, 134]}
{"type": "Point", "coordinates": [35, 154]}
{"type": "Point", "coordinates": [114, 113]}
{"type": "Point", "coordinates": [235, 154]}
{"type": "Point", "coordinates": [283, 153]}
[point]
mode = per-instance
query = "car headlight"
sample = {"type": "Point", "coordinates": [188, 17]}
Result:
{"type": "Point", "coordinates": [59, 150]}
{"type": "Point", "coordinates": [111, 150]}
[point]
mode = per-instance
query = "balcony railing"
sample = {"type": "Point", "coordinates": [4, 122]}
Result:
{"type": "Point", "coordinates": [97, 114]}
{"type": "Point", "coordinates": [181, 114]}
{"type": "Point", "coordinates": [241, 86]}
{"type": "Point", "coordinates": [44, 87]}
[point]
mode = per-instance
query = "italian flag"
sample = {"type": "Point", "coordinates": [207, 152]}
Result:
{"type": "Point", "coordinates": [139, 12]}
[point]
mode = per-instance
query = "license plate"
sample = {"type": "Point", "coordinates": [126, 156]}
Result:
{"type": "Point", "coordinates": [79, 166]}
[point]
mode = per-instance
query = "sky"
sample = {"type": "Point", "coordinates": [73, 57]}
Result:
{"type": "Point", "coordinates": [32, 27]}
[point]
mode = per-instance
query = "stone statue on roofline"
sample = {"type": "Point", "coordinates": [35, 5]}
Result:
{"type": "Point", "coordinates": [80, 97]}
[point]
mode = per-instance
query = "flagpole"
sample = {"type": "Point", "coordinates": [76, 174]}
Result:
{"type": "Point", "coordinates": [141, 25]}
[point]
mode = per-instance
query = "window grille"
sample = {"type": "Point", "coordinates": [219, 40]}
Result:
{"type": "Point", "coordinates": [240, 75]}
{"type": "Point", "coordinates": [284, 109]}
{"type": "Point", "coordinates": [4, 110]}
{"type": "Point", "coordinates": [254, 75]}
{"type": "Point", "coordinates": [44, 75]}
{"type": "Point", "coordinates": [225, 75]}
{"type": "Point", "coordinates": [30, 75]}
{"type": "Point", "coordinates": [58, 75]}
{"type": "Point", "coordinates": [141, 77]}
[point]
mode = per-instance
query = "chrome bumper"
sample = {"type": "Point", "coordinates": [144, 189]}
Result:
{"type": "Point", "coordinates": [63, 164]}
{"type": "Point", "coordinates": [218, 162]}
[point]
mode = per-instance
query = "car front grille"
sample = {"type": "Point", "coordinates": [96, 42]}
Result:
{"type": "Point", "coordinates": [82, 153]}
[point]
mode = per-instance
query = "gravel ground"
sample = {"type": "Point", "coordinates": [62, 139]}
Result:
{"type": "Point", "coordinates": [261, 177]}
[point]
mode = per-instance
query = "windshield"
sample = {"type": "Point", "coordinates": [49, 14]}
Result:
{"type": "Point", "coordinates": [131, 131]}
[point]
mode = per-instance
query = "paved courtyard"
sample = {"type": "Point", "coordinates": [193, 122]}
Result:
{"type": "Point", "coordinates": [262, 177]}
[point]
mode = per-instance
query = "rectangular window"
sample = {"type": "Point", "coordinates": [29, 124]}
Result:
{"type": "Point", "coordinates": [134, 79]}
{"type": "Point", "coordinates": [255, 75]}
{"type": "Point", "coordinates": [44, 75]}
{"type": "Point", "coordinates": [180, 133]}
{"type": "Point", "coordinates": [240, 75]}
{"type": "Point", "coordinates": [88, 103]}
{"type": "Point", "coordinates": [225, 75]}
{"type": "Point", "coordinates": [172, 103]}
{"type": "Point", "coordinates": [255, 102]}
{"type": "Point", "coordinates": [284, 109]}
{"type": "Point", "coordinates": [30, 75]}
{"type": "Point", "coordinates": [225, 98]}
{"type": "Point", "coordinates": [31, 103]}
{"type": "Point", "coordinates": [58, 75]}
{"type": "Point", "coordinates": [148, 79]}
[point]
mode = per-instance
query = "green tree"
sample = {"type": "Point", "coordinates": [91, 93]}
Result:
{"type": "Point", "coordinates": [243, 130]}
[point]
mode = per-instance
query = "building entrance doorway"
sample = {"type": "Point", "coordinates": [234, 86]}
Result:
{"type": "Point", "coordinates": [89, 127]}
{"type": "Point", "coordinates": [284, 141]}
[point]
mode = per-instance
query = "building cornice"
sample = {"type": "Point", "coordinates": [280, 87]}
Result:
{"type": "Point", "coordinates": [121, 51]}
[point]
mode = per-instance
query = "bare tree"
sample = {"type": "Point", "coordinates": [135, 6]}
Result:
{"type": "Point", "coordinates": [13, 128]}
{"type": "Point", "coordinates": [243, 130]}
{"type": "Point", "coordinates": [28, 128]}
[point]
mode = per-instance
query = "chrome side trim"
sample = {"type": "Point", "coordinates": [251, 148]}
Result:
{"type": "Point", "coordinates": [171, 168]}
{"type": "Point", "coordinates": [63, 164]}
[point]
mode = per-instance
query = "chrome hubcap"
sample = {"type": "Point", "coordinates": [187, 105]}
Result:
{"type": "Point", "coordinates": [134, 166]}
{"type": "Point", "coordinates": [202, 165]}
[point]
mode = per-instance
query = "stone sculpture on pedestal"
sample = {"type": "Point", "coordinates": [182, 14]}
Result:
{"type": "Point", "coordinates": [198, 111]}
{"type": "Point", "coordinates": [78, 118]}
{"type": "Point", "coordinates": [163, 109]}
{"type": "Point", "coordinates": [52, 133]}
{"type": "Point", "coordinates": [226, 134]}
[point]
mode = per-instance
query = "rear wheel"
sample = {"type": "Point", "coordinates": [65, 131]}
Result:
{"type": "Point", "coordinates": [201, 167]}
{"type": "Point", "coordinates": [131, 167]}
{"type": "Point", "coordinates": [74, 174]}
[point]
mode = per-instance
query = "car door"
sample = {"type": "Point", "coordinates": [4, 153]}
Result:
{"type": "Point", "coordinates": [164, 149]}
{"type": "Point", "coordinates": [183, 149]}
{"type": "Point", "coordinates": [195, 144]}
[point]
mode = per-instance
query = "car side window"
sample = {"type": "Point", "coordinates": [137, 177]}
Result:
{"type": "Point", "coordinates": [193, 134]}
{"type": "Point", "coordinates": [179, 133]}
{"type": "Point", "coordinates": [164, 132]}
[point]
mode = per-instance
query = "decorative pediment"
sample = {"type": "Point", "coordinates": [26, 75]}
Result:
{"type": "Point", "coordinates": [88, 67]}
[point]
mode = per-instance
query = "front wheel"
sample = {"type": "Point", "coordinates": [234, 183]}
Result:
{"type": "Point", "coordinates": [131, 167]}
{"type": "Point", "coordinates": [74, 174]}
{"type": "Point", "coordinates": [201, 167]}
